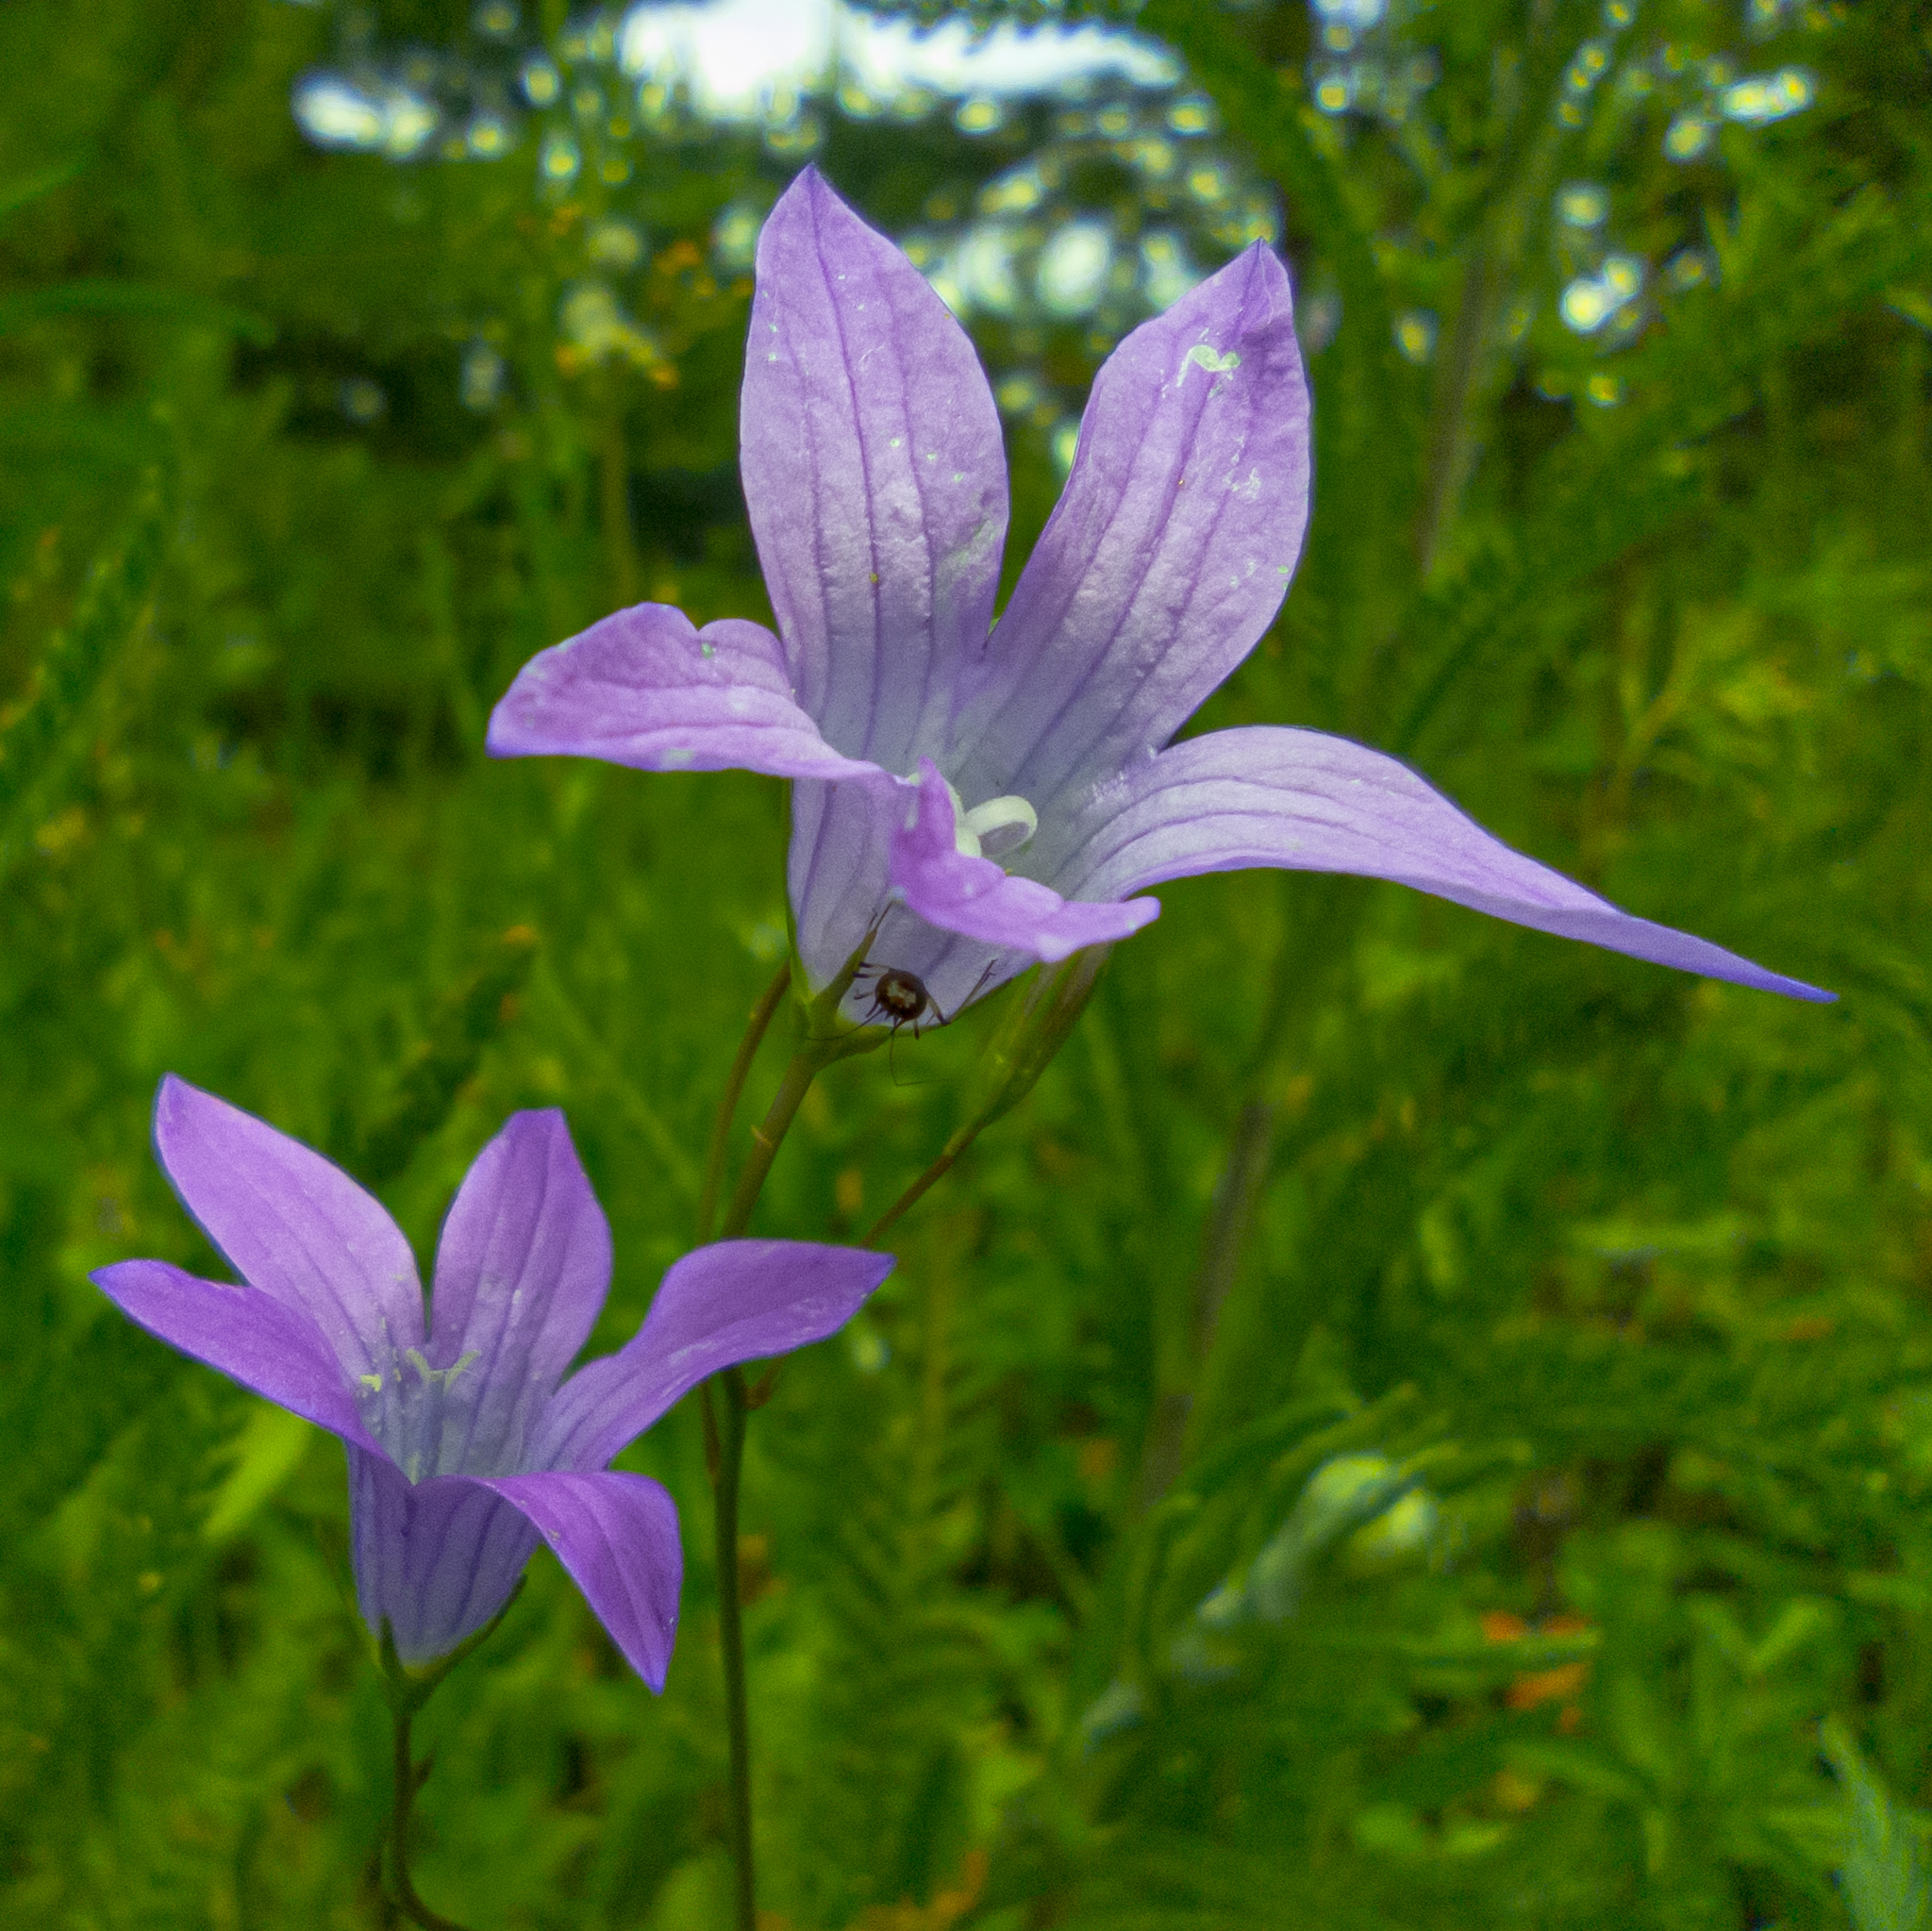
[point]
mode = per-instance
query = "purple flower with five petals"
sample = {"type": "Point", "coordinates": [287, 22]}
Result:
{"type": "Point", "coordinates": [465, 1442]}
{"type": "Point", "coordinates": [999, 793]}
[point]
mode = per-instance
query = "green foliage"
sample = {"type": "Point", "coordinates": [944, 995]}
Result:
{"type": "Point", "coordinates": [1886, 1887]}
{"type": "Point", "coordinates": [1403, 1423]}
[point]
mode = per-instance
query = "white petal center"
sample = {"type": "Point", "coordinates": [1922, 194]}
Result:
{"type": "Point", "coordinates": [998, 828]}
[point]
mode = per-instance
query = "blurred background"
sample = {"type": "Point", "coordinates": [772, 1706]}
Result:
{"type": "Point", "coordinates": [1413, 1423]}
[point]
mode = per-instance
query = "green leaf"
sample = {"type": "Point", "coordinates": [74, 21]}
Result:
{"type": "Point", "coordinates": [1884, 1874]}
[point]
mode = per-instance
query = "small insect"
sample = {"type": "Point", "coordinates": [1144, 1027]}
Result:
{"type": "Point", "coordinates": [899, 998]}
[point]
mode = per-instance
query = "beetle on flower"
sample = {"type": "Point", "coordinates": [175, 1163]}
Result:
{"type": "Point", "coordinates": [999, 793]}
{"type": "Point", "coordinates": [465, 1442]}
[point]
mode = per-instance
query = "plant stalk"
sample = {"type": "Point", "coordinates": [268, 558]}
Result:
{"type": "Point", "coordinates": [761, 1015]}
{"type": "Point", "coordinates": [921, 1186]}
{"type": "Point", "coordinates": [725, 1433]}
{"type": "Point", "coordinates": [407, 1690]}
{"type": "Point", "coordinates": [408, 1780]}
{"type": "Point", "coordinates": [730, 1436]}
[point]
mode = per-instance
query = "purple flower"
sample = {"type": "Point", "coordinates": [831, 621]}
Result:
{"type": "Point", "coordinates": [1003, 792]}
{"type": "Point", "coordinates": [463, 1447]}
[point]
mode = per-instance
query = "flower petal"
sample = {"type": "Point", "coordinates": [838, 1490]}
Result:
{"type": "Point", "coordinates": [842, 839]}
{"type": "Point", "coordinates": [979, 900]}
{"type": "Point", "coordinates": [438, 1558]}
{"type": "Point", "coordinates": [645, 688]}
{"type": "Point", "coordinates": [521, 1274]}
{"type": "Point", "coordinates": [1170, 550]}
{"type": "Point", "coordinates": [292, 1224]}
{"type": "Point", "coordinates": [617, 1534]}
{"type": "Point", "coordinates": [1263, 795]}
{"type": "Point", "coordinates": [730, 1301]}
{"type": "Point", "coordinates": [252, 1338]}
{"type": "Point", "coordinates": [837, 870]}
{"type": "Point", "coordinates": [875, 475]}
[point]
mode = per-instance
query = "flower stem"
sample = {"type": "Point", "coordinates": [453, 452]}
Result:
{"type": "Point", "coordinates": [768, 1135]}
{"type": "Point", "coordinates": [822, 1044]}
{"type": "Point", "coordinates": [731, 1644]}
{"type": "Point", "coordinates": [613, 490]}
{"type": "Point", "coordinates": [1032, 1032]}
{"type": "Point", "coordinates": [407, 1690]}
{"type": "Point", "coordinates": [408, 1780]}
{"type": "Point", "coordinates": [923, 1185]}
{"type": "Point", "coordinates": [769, 1002]}
{"type": "Point", "coordinates": [727, 1431]}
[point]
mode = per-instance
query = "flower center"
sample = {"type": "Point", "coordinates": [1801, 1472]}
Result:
{"type": "Point", "coordinates": [408, 1415]}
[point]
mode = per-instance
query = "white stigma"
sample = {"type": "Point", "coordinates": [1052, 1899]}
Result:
{"type": "Point", "coordinates": [998, 828]}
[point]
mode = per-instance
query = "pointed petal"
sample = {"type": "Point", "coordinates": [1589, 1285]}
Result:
{"type": "Point", "coordinates": [1170, 550]}
{"type": "Point", "coordinates": [875, 475]}
{"type": "Point", "coordinates": [644, 688]}
{"type": "Point", "coordinates": [270, 1350]}
{"type": "Point", "coordinates": [730, 1301]}
{"type": "Point", "coordinates": [979, 900]}
{"type": "Point", "coordinates": [521, 1276]}
{"type": "Point", "coordinates": [617, 1534]}
{"type": "Point", "coordinates": [292, 1224]}
{"type": "Point", "coordinates": [438, 1558]}
{"type": "Point", "coordinates": [1301, 799]}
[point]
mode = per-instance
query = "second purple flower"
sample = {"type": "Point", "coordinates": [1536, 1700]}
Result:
{"type": "Point", "coordinates": [468, 1440]}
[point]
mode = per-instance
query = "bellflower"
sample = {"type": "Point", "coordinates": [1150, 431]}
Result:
{"type": "Point", "coordinates": [999, 793]}
{"type": "Point", "coordinates": [465, 1441]}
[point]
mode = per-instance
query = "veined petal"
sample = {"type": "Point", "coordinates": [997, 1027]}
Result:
{"type": "Point", "coordinates": [875, 475]}
{"type": "Point", "coordinates": [617, 1536]}
{"type": "Point", "coordinates": [1168, 555]}
{"type": "Point", "coordinates": [438, 1558]}
{"type": "Point", "coordinates": [644, 688]}
{"type": "Point", "coordinates": [292, 1224]}
{"type": "Point", "coordinates": [271, 1349]}
{"type": "Point", "coordinates": [521, 1274]}
{"type": "Point", "coordinates": [730, 1301]}
{"type": "Point", "coordinates": [1265, 795]}
{"type": "Point", "coordinates": [836, 869]}
{"type": "Point", "coordinates": [977, 899]}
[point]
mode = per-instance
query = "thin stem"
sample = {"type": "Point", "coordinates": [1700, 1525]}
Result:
{"type": "Point", "coordinates": [761, 1014]}
{"type": "Point", "coordinates": [407, 1690]}
{"type": "Point", "coordinates": [1223, 1241]}
{"type": "Point", "coordinates": [725, 1434]}
{"type": "Point", "coordinates": [731, 1642]}
{"type": "Point", "coordinates": [613, 490]}
{"type": "Point", "coordinates": [916, 1192]}
{"type": "Point", "coordinates": [1449, 432]}
{"type": "Point", "coordinates": [725, 1446]}
{"type": "Point", "coordinates": [408, 1780]}
{"type": "Point", "coordinates": [768, 1135]}
{"type": "Point", "coordinates": [1028, 1038]}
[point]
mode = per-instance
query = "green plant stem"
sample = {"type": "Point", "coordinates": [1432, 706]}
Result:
{"type": "Point", "coordinates": [1449, 429]}
{"type": "Point", "coordinates": [761, 1015]}
{"type": "Point", "coordinates": [940, 1167]}
{"type": "Point", "coordinates": [1230, 1221]}
{"type": "Point", "coordinates": [730, 1454]}
{"type": "Point", "coordinates": [408, 1780]}
{"type": "Point", "coordinates": [769, 1135]}
{"type": "Point", "coordinates": [407, 1690]}
{"type": "Point", "coordinates": [725, 1436]}
{"type": "Point", "coordinates": [613, 490]}
{"type": "Point", "coordinates": [1032, 1032]}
